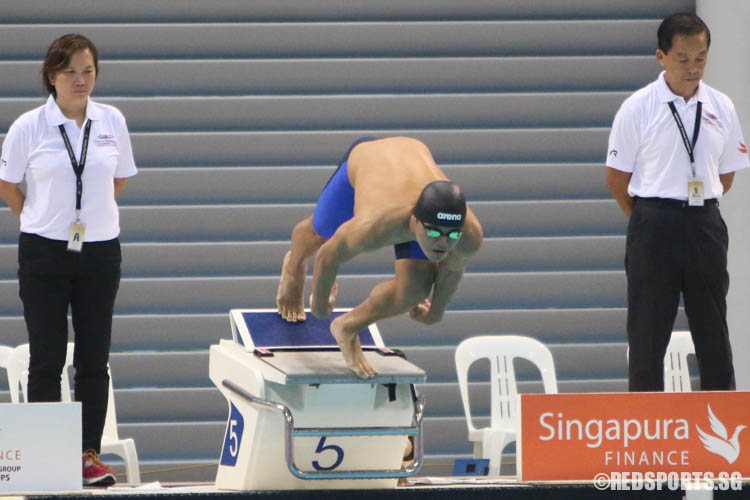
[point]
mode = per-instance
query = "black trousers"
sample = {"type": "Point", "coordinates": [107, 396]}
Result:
{"type": "Point", "coordinates": [52, 280]}
{"type": "Point", "coordinates": [671, 249]}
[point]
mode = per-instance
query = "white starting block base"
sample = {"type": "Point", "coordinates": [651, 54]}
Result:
{"type": "Point", "coordinates": [320, 392]}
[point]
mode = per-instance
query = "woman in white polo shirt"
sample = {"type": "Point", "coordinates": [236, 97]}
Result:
{"type": "Point", "coordinates": [75, 157]}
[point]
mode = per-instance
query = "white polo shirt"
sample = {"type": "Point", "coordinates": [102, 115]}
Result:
{"type": "Point", "coordinates": [646, 141]}
{"type": "Point", "coordinates": [34, 150]}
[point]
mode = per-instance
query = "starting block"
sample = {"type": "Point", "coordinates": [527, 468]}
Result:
{"type": "Point", "coordinates": [299, 418]}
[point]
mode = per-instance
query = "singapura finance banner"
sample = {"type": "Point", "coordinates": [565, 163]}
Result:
{"type": "Point", "coordinates": [577, 436]}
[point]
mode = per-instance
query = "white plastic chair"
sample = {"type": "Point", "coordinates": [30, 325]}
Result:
{"type": "Point", "coordinates": [500, 350]}
{"type": "Point", "coordinates": [17, 366]}
{"type": "Point", "coordinates": [112, 443]}
{"type": "Point", "coordinates": [4, 355]}
{"type": "Point", "coordinates": [676, 374]}
{"type": "Point", "coordinates": [18, 374]}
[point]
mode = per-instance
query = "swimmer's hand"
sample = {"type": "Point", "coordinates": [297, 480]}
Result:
{"type": "Point", "coordinates": [324, 310]}
{"type": "Point", "coordinates": [421, 312]}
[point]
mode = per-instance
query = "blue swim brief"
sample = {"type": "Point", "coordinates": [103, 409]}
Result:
{"type": "Point", "coordinates": [336, 206]}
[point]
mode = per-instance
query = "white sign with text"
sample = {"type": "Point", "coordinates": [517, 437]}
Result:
{"type": "Point", "coordinates": [40, 447]}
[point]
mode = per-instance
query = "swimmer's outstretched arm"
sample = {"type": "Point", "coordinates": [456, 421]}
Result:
{"type": "Point", "coordinates": [324, 276]}
{"type": "Point", "coordinates": [448, 276]}
{"type": "Point", "coordinates": [351, 238]}
{"type": "Point", "coordinates": [447, 279]}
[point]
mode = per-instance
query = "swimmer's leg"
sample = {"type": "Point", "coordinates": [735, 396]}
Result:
{"type": "Point", "coordinates": [305, 242]}
{"type": "Point", "coordinates": [410, 286]}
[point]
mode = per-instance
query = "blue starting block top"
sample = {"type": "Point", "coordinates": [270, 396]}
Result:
{"type": "Point", "coordinates": [265, 329]}
{"type": "Point", "coordinates": [306, 352]}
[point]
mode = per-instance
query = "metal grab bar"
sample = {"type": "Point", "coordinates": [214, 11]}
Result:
{"type": "Point", "coordinates": [290, 433]}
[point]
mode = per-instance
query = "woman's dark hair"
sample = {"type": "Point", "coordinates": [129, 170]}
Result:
{"type": "Point", "coordinates": [59, 54]}
{"type": "Point", "coordinates": [684, 24]}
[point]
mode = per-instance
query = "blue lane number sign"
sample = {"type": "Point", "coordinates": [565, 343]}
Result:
{"type": "Point", "coordinates": [233, 438]}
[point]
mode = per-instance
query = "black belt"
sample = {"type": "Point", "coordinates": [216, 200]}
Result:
{"type": "Point", "coordinates": [670, 202]}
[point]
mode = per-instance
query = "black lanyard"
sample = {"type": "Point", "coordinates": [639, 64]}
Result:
{"type": "Point", "coordinates": [696, 129]}
{"type": "Point", "coordinates": [77, 167]}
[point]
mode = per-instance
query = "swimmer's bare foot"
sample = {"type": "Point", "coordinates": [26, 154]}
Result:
{"type": "Point", "coordinates": [289, 300]}
{"type": "Point", "coordinates": [351, 349]}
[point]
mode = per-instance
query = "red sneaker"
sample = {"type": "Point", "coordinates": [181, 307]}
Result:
{"type": "Point", "coordinates": [95, 473]}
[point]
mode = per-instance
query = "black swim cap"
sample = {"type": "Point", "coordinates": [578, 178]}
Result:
{"type": "Point", "coordinates": [442, 203]}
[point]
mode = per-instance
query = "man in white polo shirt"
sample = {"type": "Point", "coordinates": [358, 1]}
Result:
{"type": "Point", "coordinates": [673, 150]}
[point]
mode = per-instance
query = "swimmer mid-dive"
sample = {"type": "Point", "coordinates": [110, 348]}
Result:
{"type": "Point", "coordinates": [384, 192]}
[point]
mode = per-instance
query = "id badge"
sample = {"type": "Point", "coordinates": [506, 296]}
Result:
{"type": "Point", "coordinates": [695, 192]}
{"type": "Point", "coordinates": [77, 233]}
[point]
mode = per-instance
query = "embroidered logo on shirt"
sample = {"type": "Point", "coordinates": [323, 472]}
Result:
{"type": "Point", "coordinates": [743, 149]}
{"type": "Point", "coordinates": [613, 153]}
{"type": "Point", "coordinates": [105, 140]}
{"type": "Point", "coordinates": [3, 163]}
{"type": "Point", "coordinates": [711, 119]}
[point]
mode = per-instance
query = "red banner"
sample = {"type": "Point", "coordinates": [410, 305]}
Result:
{"type": "Point", "coordinates": [577, 436]}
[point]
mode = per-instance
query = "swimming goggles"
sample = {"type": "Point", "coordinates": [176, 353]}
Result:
{"type": "Point", "coordinates": [432, 232]}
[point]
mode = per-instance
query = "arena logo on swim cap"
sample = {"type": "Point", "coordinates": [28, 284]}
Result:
{"type": "Point", "coordinates": [444, 216]}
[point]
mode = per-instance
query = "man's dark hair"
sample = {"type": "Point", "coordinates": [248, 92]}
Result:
{"type": "Point", "coordinates": [684, 24]}
{"type": "Point", "coordinates": [59, 54]}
